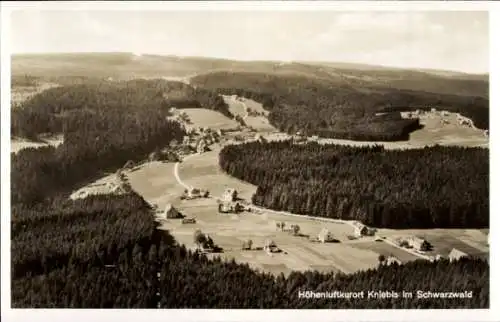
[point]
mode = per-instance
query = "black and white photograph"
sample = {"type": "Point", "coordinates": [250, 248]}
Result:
{"type": "Point", "coordinates": [231, 156]}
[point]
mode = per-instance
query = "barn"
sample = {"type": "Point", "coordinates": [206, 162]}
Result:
{"type": "Point", "coordinates": [170, 212]}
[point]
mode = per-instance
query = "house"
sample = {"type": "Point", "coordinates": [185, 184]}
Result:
{"type": "Point", "coordinates": [392, 260]}
{"type": "Point", "coordinates": [201, 146]}
{"type": "Point", "coordinates": [170, 212]}
{"type": "Point", "coordinates": [433, 110]}
{"type": "Point", "coordinates": [325, 236]}
{"type": "Point", "coordinates": [445, 113]}
{"type": "Point", "coordinates": [225, 208]}
{"type": "Point", "coordinates": [415, 242]}
{"type": "Point", "coordinates": [189, 221]}
{"type": "Point", "coordinates": [456, 254]}
{"type": "Point", "coordinates": [229, 195]}
{"type": "Point", "coordinates": [270, 246]}
{"type": "Point", "coordinates": [360, 229]}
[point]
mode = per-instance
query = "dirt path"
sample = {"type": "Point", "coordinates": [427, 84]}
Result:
{"type": "Point", "coordinates": [176, 173]}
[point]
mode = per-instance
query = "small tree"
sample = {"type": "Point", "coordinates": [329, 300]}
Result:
{"type": "Point", "coordinates": [199, 238]}
{"type": "Point", "coordinates": [250, 243]}
{"type": "Point", "coordinates": [282, 225]}
{"type": "Point", "coordinates": [208, 243]}
{"type": "Point", "coordinates": [381, 259]}
{"type": "Point", "coordinates": [295, 229]}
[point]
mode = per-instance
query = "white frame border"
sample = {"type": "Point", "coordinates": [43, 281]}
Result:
{"type": "Point", "coordinates": [241, 315]}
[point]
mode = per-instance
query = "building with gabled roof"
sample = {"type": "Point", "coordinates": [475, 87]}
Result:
{"type": "Point", "coordinates": [456, 254]}
{"type": "Point", "coordinates": [171, 212]}
{"type": "Point", "coordinates": [325, 236]}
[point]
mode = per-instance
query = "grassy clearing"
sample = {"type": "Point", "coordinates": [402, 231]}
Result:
{"type": "Point", "coordinates": [17, 144]}
{"type": "Point", "coordinates": [208, 118]}
{"type": "Point", "coordinates": [470, 241]}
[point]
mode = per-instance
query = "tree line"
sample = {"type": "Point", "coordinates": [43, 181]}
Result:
{"type": "Point", "coordinates": [188, 279]}
{"type": "Point", "coordinates": [340, 109]}
{"type": "Point", "coordinates": [434, 187]}
{"type": "Point", "coordinates": [55, 109]}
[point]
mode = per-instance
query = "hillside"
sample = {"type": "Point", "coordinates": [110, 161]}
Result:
{"type": "Point", "coordinates": [127, 66]}
{"type": "Point", "coordinates": [341, 109]}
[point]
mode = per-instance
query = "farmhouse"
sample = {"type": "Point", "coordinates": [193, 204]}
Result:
{"type": "Point", "coordinates": [392, 260]}
{"type": "Point", "coordinates": [325, 236]}
{"type": "Point", "coordinates": [229, 195]}
{"type": "Point", "coordinates": [270, 246]}
{"type": "Point", "coordinates": [456, 254]}
{"type": "Point", "coordinates": [170, 212]}
{"type": "Point", "coordinates": [415, 242]}
{"type": "Point", "coordinates": [360, 229]}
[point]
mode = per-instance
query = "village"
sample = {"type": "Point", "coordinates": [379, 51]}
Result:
{"type": "Point", "coordinates": [217, 219]}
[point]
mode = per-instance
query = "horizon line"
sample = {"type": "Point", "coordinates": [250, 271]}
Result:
{"type": "Point", "coordinates": [418, 69]}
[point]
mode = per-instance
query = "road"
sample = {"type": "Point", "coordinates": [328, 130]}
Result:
{"type": "Point", "coordinates": [176, 173]}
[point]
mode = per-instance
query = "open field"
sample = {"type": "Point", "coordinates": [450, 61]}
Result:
{"type": "Point", "coordinates": [156, 182]}
{"type": "Point", "coordinates": [298, 253]}
{"type": "Point", "coordinates": [208, 118]}
{"type": "Point", "coordinates": [17, 144]}
{"type": "Point", "coordinates": [20, 94]}
{"type": "Point", "coordinates": [450, 133]}
{"type": "Point", "coordinates": [202, 171]}
{"type": "Point", "coordinates": [470, 241]}
{"type": "Point", "coordinates": [238, 107]}
{"type": "Point", "coordinates": [433, 132]}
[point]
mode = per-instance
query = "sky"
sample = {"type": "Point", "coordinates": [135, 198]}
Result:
{"type": "Point", "coordinates": [456, 41]}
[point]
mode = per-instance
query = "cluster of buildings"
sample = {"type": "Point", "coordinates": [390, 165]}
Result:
{"type": "Point", "coordinates": [464, 121]}
{"type": "Point", "coordinates": [194, 193]}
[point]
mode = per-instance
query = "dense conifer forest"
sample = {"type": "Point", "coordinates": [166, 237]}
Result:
{"type": "Point", "coordinates": [331, 109]}
{"type": "Point", "coordinates": [434, 187]}
{"type": "Point", "coordinates": [105, 251]}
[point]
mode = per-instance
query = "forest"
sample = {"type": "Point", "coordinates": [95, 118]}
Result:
{"type": "Point", "coordinates": [125, 275]}
{"type": "Point", "coordinates": [105, 251]}
{"type": "Point", "coordinates": [338, 109]}
{"type": "Point", "coordinates": [434, 187]}
{"type": "Point", "coordinates": [103, 127]}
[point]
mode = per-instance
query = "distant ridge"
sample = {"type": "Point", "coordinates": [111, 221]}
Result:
{"type": "Point", "coordinates": [124, 65]}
